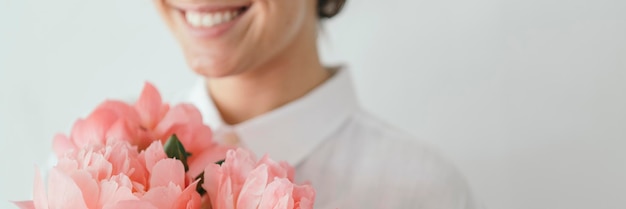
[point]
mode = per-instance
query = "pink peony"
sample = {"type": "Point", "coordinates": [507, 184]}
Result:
{"type": "Point", "coordinates": [148, 120]}
{"type": "Point", "coordinates": [114, 176]}
{"type": "Point", "coordinates": [243, 183]}
{"type": "Point", "coordinates": [115, 159]}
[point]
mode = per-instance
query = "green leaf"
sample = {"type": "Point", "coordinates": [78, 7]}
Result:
{"type": "Point", "coordinates": [220, 162]}
{"type": "Point", "coordinates": [175, 149]}
{"type": "Point", "coordinates": [199, 188]}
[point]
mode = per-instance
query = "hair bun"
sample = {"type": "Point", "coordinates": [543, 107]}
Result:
{"type": "Point", "coordinates": [329, 8]}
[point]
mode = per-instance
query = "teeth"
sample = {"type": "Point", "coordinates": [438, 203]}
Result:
{"type": "Point", "coordinates": [209, 19]}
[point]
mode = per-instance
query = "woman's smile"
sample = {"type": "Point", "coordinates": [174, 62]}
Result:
{"type": "Point", "coordinates": [199, 19]}
{"type": "Point", "coordinates": [208, 20]}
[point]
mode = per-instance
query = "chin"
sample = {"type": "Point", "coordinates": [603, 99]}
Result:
{"type": "Point", "coordinates": [211, 68]}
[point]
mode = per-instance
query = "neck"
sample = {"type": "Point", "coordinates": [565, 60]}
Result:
{"type": "Point", "coordinates": [290, 76]}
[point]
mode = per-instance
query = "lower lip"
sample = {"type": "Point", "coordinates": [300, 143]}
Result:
{"type": "Point", "coordinates": [210, 32]}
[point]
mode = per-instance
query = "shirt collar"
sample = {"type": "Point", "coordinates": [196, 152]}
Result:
{"type": "Point", "coordinates": [289, 133]}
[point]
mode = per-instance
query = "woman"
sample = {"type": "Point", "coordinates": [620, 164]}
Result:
{"type": "Point", "coordinates": [265, 89]}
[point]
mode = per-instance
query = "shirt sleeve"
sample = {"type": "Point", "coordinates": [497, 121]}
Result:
{"type": "Point", "coordinates": [418, 176]}
{"type": "Point", "coordinates": [436, 183]}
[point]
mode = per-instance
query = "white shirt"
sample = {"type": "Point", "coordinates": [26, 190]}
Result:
{"type": "Point", "coordinates": [352, 159]}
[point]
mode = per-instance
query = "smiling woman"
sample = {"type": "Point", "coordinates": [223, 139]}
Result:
{"type": "Point", "coordinates": [265, 89]}
{"type": "Point", "coordinates": [526, 97]}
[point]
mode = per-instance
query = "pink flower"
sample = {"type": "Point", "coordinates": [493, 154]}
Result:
{"type": "Point", "coordinates": [115, 159]}
{"type": "Point", "coordinates": [243, 183]}
{"type": "Point", "coordinates": [148, 120]}
{"type": "Point", "coordinates": [114, 176]}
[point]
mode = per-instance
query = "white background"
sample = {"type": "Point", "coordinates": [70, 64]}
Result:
{"type": "Point", "coordinates": [527, 97]}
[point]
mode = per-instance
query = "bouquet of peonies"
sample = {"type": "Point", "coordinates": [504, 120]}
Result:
{"type": "Point", "coordinates": [153, 156]}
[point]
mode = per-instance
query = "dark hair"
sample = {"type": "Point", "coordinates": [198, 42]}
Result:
{"type": "Point", "coordinates": [327, 9]}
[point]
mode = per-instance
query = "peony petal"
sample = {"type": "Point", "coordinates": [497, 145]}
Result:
{"type": "Point", "coordinates": [149, 106]}
{"type": "Point", "coordinates": [252, 190]}
{"type": "Point", "coordinates": [121, 131]}
{"type": "Point", "coordinates": [122, 110]}
{"type": "Point", "coordinates": [92, 130]}
{"type": "Point", "coordinates": [25, 204]}
{"type": "Point", "coordinates": [168, 171]}
{"type": "Point", "coordinates": [225, 199]}
{"type": "Point", "coordinates": [212, 175]}
{"type": "Point", "coordinates": [63, 192]}
{"type": "Point", "coordinates": [153, 154]}
{"type": "Point", "coordinates": [132, 204]}
{"type": "Point", "coordinates": [163, 197]}
{"type": "Point", "coordinates": [119, 155]}
{"type": "Point", "coordinates": [40, 199]}
{"type": "Point", "coordinates": [138, 173]}
{"type": "Point", "coordinates": [143, 138]}
{"type": "Point", "coordinates": [99, 167]}
{"type": "Point", "coordinates": [114, 191]}
{"type": "Point", "coordinates": [195, 137]}
{"type": "Point", "coordinates": [199, 161]}
{"type": "Point", "coordinates": [275, 192]}
{"type": "Point", "coordinates": [189, 198]}
{"type": "Point", "coordinates": [61, 144]}
{"type": "Point", "coordinates": [66, 165]}
{"type": "Point", "coordinates": [284, 202]}
{"type": "Point", "coordinates": [291, 171]}
{"type": "Point", "coordinates": [179, 114]}
{"type": "Point", "coordinates": [239, 163]}
{"type": "Point", "coordinates": [304, 196]}
{"type": "Point", "coordinates": [88, 187]}
{"type": "Point", "coordinates": [277, 170]}
{"type": "Point", "coordinates": [122, 180]}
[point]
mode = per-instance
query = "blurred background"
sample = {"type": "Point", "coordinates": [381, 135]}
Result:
{"type": "Point", "coordinates": [527, 97]}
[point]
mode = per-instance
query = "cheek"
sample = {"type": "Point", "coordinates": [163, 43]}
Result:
{"type": "Point", "coordinates": [279, 26]}
{"type": "Point", "coordinates": [165, 13]}
{"type": "Point", "coordinates": [287, 18]}
{"type": "Point", "coordinates": [273, 27]}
